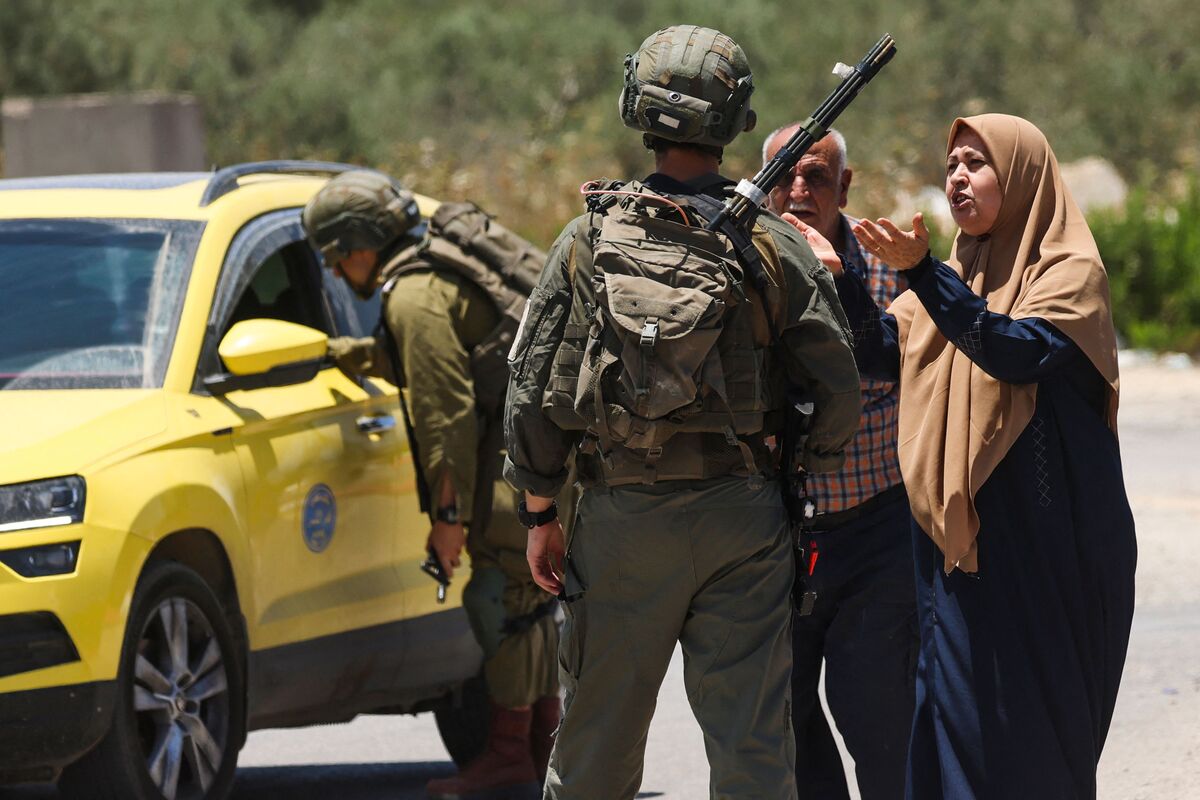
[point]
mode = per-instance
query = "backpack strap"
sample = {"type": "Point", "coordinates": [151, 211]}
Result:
{"type": "Point", "coordinates": [604, 438]}
{"type": "Point", "coordinates": [791, 477]}
{"type": "Point", "coordinates": [751, 260]}
{"type": "Point", "coordinates": [743, 244]}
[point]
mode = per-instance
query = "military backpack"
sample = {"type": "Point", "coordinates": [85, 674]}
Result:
{"type": "Point", "coordinates": [671, 346]}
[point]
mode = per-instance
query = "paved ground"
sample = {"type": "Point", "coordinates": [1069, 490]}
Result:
{"type": "Point", "coordinates": [1153, 751]}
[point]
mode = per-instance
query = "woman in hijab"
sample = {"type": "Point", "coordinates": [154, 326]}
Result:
{"type": "Point", "coordinates": [1023, 537]}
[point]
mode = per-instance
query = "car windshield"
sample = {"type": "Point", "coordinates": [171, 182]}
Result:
{"type": "Point", "coordinates": [91, 304]}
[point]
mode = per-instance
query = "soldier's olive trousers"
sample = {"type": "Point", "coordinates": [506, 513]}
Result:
{"type": "Point", "coordinates": [519, 664]}
{"type": "Point", "coordinates": [707, 564]}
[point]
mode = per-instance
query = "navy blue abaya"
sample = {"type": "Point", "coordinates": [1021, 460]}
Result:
{"type": "Point", "coordinates": [1020, 662]}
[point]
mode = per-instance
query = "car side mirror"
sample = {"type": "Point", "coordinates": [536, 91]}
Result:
{"type": "Point", "coordinates": [269, 352]}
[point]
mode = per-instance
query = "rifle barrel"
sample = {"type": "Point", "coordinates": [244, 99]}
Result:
{"type": "Point", "coordinates": [742, 207]}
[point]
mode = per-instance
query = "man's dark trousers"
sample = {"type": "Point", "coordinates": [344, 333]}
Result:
{"type": "Point", "coordinates": [864, 626]}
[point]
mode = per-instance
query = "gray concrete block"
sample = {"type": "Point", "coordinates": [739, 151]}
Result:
{"type": "Point", "coordinates": [90, 133]}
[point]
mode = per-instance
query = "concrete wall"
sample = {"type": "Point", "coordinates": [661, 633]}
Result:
{"type": "Point", "coordinates": [88, 133]}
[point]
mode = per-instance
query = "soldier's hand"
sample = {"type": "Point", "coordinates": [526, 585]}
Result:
{"type": "Point", "coordinates": [447, 540]}
{"type": "Point", "coordinates": [545, 552]}
{"type": "Point", "coordinates": [821, 247]}
{"type": "Point", "coordinates": [353, 356]}
{"type": "Point", "coordinates": [896, 248]}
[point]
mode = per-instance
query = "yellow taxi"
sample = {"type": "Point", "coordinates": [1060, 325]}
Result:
{"type": "Point", "coordinates": [205, 527]}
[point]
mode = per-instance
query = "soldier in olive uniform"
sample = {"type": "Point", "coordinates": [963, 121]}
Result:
{"type": "Point", "coordinates": [448, 320]}
{"type": "Point", "coordinates": [681, 534]}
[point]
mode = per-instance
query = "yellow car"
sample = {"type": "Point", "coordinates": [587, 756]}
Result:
{"type": "Point", "coordinates": [205, 527]}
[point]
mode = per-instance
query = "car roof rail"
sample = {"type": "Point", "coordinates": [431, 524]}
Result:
{"type": "Point", "coordinates": [225, 180]}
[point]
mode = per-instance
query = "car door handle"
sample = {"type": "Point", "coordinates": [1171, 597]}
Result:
{"type": "Point", "coordinates": [375, 424]}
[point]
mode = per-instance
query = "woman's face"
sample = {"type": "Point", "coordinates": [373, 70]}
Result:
{"type": "Point", "coordinates": [972, 186]}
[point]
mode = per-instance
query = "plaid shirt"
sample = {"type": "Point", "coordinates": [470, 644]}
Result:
{"type": "Point", "coordinates": [872, 464]}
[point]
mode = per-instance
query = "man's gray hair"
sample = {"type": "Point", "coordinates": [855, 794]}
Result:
{"type": "Point", "coordinates": [834, 134]}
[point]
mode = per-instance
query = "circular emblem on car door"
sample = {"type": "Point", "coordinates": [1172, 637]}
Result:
{"type": "Point", "coordinates": [319, 517]}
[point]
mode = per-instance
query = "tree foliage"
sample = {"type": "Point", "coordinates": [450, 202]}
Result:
{"type": "Point", "coordinates": [1152, 251]}
{"type": "Point", "coordinates": [514, 104]}
{"type": "Point", "coordinates": [371, 79]}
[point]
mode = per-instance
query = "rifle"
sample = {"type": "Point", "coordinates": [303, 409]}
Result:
{"type": "Point", "coordinates": [749, 195]}
{"type": "Point", "coordinates": [799, 506]}
{"type": "Point", "coordinates": [735, 220]}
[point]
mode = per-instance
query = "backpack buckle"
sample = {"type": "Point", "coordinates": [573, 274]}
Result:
{"type": "Point", "coordinates": [590, 445]}
{"type": "Point", "coordinates": [650, 333]}
{"type": "Point", "coordinates": [650, 465]}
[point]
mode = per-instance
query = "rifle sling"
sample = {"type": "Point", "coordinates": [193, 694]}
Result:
{"type": "Point", "coordinates": [424, 498]}
{"type": "Point", "coordinates": [747, 254]}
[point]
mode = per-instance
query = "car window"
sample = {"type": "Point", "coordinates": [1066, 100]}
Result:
{"type": "Point", "coordinates": [269, 271]}
{"type": "Point", "coordinates": [284, 286]}
{"type": "Point", "coordinates": [91, 303]}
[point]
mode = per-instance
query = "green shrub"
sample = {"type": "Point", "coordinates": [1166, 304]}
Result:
{"type": "Point", "coordinates": [941, 240]}
{"type": "Point", "coordinates": [1152, 253]}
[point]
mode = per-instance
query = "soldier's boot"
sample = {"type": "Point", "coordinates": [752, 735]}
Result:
{"type": "Point", "coordinates": [505, 767]}
{"type": "Point", "coordinates": [546, 715]}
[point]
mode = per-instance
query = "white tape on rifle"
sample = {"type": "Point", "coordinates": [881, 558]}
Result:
{"type": "Point", "coordinates": [748, 190]}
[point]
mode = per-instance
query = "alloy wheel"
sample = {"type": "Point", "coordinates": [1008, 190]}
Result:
{"type": "Point", "coordinates": [181, 699]}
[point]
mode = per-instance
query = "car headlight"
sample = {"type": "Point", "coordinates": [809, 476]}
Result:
{"type": "Point", "coordinates": [41, 504]}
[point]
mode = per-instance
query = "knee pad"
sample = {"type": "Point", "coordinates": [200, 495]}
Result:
{"type": "Point", "coordinates": [483, 600]}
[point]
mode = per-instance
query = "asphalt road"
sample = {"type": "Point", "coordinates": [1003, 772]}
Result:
{"type": "Point", "coordinates": [1153, 751]}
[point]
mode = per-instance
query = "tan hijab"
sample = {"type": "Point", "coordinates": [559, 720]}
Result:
{"type": "Point", "coordinates": [1039, 260]}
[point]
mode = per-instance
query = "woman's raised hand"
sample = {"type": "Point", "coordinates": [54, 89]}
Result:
{"type": "Point", "coordinates": [896, 248]}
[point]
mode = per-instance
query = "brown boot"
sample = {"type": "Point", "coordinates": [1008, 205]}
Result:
{"type": "Point", "coordinates": [505, 762]}
{"type": "Point", "coordinates": [546, 715]}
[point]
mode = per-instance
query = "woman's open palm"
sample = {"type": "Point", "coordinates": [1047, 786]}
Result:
{"type": "Point", "coordinates": [896, 248]}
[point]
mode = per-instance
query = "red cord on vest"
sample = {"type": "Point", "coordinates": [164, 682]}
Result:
{"type": "Point", "coordinates": [586, 189]}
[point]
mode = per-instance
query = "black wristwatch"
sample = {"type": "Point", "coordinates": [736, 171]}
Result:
{"type": "Point", "coordinates": [533, 519]}
{"type": "Point", "coordinates": [447, 514]}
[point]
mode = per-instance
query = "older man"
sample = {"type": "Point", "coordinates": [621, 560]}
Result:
{"type": "Point", "coordinates": [863, 622]}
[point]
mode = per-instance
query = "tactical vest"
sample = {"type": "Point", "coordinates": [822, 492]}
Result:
{"type": "Point", "coordinates": [465, 241]}
{"type": "Point", "coordinates": [667, 361]}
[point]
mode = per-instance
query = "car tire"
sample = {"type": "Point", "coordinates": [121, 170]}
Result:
{"type": "Point", "coordinates": [179, 718]}
{"type": "Point", "coordinates": [463, 721]}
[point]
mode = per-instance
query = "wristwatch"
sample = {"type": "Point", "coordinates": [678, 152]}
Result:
{"type": "Point", "coordinates": [534, 519]}
{"type": "Point", "coordinates": [447, 514]}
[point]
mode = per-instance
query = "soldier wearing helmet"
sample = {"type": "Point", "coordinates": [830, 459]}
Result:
{"type": "Point", "coordinates": [661, 354]}
{"type": "Point", "coordinates": [355, 219]}
{"type": "Point", "coordinates": [448, 318]}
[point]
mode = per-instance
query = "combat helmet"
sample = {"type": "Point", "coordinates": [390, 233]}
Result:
{"type": "Point", "coordinates": [360, 210]}
{"type": "Point", "coordinates": [688, 84]}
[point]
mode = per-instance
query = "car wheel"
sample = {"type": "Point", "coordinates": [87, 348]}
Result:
{"type": "Point", "coordinates": [177, 726]}
{"type": "Point", "coordinates": [463, 721]}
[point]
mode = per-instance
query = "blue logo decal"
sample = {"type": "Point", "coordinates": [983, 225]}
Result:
{"type": "Point", "coordinates": [319, 517]}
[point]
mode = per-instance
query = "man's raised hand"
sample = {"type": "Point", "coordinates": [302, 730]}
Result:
{"type": "Point", "coordinates": [821, 246]}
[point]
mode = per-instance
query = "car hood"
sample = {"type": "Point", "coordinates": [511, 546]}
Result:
{"type": "Point", "coordinates": [48, 433]}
